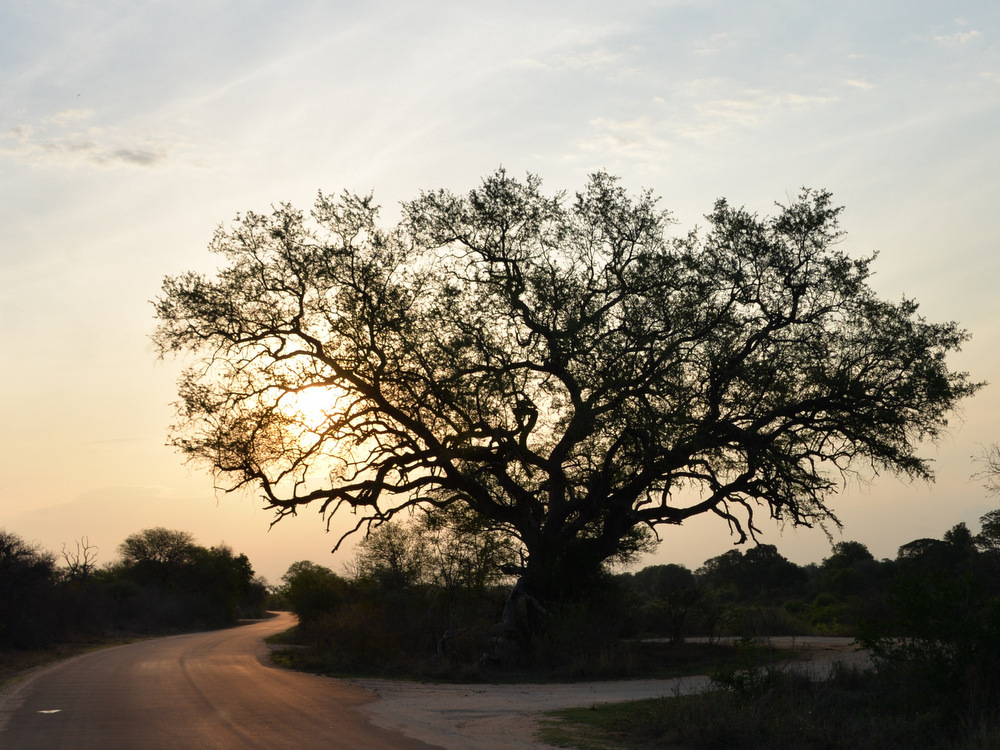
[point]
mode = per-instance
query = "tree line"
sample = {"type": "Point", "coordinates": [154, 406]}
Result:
{"type": "Point", "coordinates": [432, 591]}
{"type": "Point", "coordinates": [161, 582]}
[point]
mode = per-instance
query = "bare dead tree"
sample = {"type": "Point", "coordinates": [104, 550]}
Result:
{"type": "Point", "coordinates": [80, 562]}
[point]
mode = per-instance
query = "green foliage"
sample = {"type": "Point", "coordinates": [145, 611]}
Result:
{"type": "Point", "coordinates": [165, 580]}
{"type": "Point", "coordinates": [584, 635]}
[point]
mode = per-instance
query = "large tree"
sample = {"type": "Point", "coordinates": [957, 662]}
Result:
{"type": "Point", "coordinates": [563, 367]}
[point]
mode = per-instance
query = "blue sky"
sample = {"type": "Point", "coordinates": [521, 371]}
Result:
{"type": "Point", "coordinates": [129, 129]}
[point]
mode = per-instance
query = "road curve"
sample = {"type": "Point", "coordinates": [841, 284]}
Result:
{"type": "Point", "coordinates": [210, 691]}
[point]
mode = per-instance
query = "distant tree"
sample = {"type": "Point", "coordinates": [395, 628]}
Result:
{"type": "Point", "coordinates": [772, 573]}
{"type": "Point", "coordinates": [182, 584]}
{"type": "Point", "coordinates": [848, 555]}
{"type": "Point", "coordinates": [657, 580]}
{"type": "Point", "coordinates": [961, 541]}
{"type": "Point", "coordinates": [852, 572]}
{"type": "Point", "coordinates": [466, 553]}
{"type": "Point", "coordinates": [672, 589]}
{"type": "Point", "coordinates": [761, 572]}
{"type": "Point", "coordinates": [564, 369]}
{"type": "Point", "coordinates": [957, 547]}
{"type": "Point", "coordinates": [158, 546]}
{"type": "Point", "coordinates": [393, 556]}
{"type": "Point", "coordinates": [220, 585]}
{"type": "Point", "coordinates": [312, 590]}
{"type": "Point", "coordinates": [725, 573]}
{"type": "Point", "coordinates": [988, 538]}
{"type": "Point", "coordinates": [920, 548]}
{"type": "Point", "coordinates": [155, 556]}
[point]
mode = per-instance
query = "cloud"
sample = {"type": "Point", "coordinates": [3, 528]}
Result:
{"type": "Point", "coordinates": [752, 108]}
{"type": "Point", "coordinates": [651, 140]}
{"type": "Point", "coordinates": [859, 84]}
{"type": "Point", "coordinates": [65, 139]}
{"type": "Point", "coordinates": [958, 38]}
{"type": "Point", "coordinates": [133, 156]}
{"type": "Point", "coordinates": [713, 44]}
{"type": "Point", "coordinates": [69, 115]}
{"type": "Point", "coordinates": [596, 59]}
{"type": "Point", "coordinates": [640, 139]}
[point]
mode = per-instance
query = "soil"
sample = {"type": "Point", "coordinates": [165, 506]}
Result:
{"type": "Point", "coordinates": [503, 717]}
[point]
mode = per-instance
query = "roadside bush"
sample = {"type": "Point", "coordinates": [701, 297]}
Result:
{"type": "Point", "coordinates": [28, 594]}
{"type": "Point", "coordinates": [940, 639]}
{"type": "Point", "coordinates": [770, 709]}
{"type": "Point", "coordinates": [162, 583]}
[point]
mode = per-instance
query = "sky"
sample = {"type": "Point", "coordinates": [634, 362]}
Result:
{"type": "Point", "coordinates": [131, 129]}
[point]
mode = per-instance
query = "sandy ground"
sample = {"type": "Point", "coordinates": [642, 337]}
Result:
{"type": "Point", "coordinates": [501, 717]}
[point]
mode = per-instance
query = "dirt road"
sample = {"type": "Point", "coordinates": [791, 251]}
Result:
{"type": "Point", "coordinates": [205, 690]}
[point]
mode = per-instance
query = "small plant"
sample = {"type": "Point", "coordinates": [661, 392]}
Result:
{"type": "Point", "coordinates": [752, 673]}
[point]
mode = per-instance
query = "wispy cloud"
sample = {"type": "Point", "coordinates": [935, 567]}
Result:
{"type": "Point", "coordinates": [712, 45]}
{"type": "Point", "coordinates": [651, 140]}
{"type": "Point", "coordinates": [958, 38]}
{"type": "Point", "coordinates": [751, 108]}
{"type": "Point", "coordinates": [599, 59]}
{"type": "Point", "coordinates": [642, 139]}
{"type": "Point", "coordinates": [134, 156]}
{"type": "Point", "coordinates": [65, 138]}
{"type": "Point", "coordinates": [68, 116]}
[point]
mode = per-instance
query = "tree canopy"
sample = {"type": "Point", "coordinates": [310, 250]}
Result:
{"type": "Point", "coordinates": [563, 367]}
{"type": "Point", "coordinates": [157, 546]}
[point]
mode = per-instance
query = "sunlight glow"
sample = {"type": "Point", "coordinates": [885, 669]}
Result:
{"type": "Point", "coordinates": [313, 406]}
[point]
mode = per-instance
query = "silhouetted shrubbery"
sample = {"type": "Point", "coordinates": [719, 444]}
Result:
{"type": "Point", "coordinates": [164, 582]}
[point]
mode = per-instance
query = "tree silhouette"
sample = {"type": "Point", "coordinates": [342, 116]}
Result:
{"type": "Point", "coordinates": [27, 583]}
{"type": "Point", "coordinates": [565, 369]}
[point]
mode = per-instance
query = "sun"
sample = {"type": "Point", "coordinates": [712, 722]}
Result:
{"type": "Point", "coordinates": [312, 407]}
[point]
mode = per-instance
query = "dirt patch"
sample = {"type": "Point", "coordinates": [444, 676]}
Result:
{"type": "Point", "coordinates": [491, 717]}
{"type": "Point", "coordinates": [504, 717]}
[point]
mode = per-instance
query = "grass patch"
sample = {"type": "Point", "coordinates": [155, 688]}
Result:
{"type": "Point", "coordinates": [290, 637]}
{"type": "Point", "coordinates": [853, 710]}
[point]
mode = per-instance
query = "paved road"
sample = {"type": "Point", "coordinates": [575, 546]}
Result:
{"type": "Point", "coordinates": [205, 691]}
